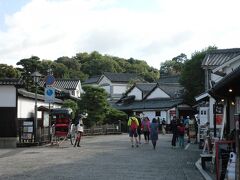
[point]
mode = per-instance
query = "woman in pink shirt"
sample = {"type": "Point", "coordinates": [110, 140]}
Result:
{"type": "Point", "coordinates": [146, 128]}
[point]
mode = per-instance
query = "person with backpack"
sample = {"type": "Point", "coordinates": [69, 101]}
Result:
{"type": "Point", "coordinates": [146, 128]}
{"type": "Point", "coordinates": [181, 132]}
{"type": "Point", "coordinates": [133, 126]}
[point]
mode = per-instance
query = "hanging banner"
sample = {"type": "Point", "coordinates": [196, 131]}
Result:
{"type": "Point", "coordinates": [219, 114]}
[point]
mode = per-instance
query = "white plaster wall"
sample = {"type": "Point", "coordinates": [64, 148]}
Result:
{"type": "Point", "coordinates": [215, 77]}
{"type": "Point", "coordinates": [78, 90]}
{"type": "Point", "coordinates": [149, 114]}
{"type": "Point", "coordinates": [106, 88]}
{"type": "Point", "coordinates": [164, 115]}
{"type": "Point", "coordinates": [234, 65]}
{"type": "Point", "coordinates": [105, 80]}
{"type": "Point", "coordinates": [136, 92]}
{"type": "Point", "coordinates": [26, 107]}
{"type": "Point", "coordinates": [158, 93]}
{"type": "Point", "coordinates": [7, 96]}
{"type": "Point", "coordinates": [204, 116]}
{"type": "Point", "coordinates": [152, 114]}
{"type": "Point", "coordinates": [119, 89]}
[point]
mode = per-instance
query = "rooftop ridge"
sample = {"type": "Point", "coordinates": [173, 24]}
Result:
{"type": "Point", "coordinates": [224, 51]}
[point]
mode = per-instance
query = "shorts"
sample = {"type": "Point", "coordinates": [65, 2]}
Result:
{"type": "Point", "coordinates": [133, 132]}
{"type": "Point", "coordinates": [139, 131]}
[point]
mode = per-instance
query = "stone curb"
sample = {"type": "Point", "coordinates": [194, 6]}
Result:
{"type": "Point", "coordinates": [201, 170]}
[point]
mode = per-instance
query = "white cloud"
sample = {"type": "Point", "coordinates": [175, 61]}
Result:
{"type": "Point", "coordinates": [53, 28]}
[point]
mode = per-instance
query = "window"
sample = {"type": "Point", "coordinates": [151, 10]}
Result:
{"type": "Point", "coordinates": [158, 113]}
{"type": "Point", "coordinates": [73, 93]}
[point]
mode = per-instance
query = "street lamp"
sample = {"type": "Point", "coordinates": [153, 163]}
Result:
{"type": "Point", "coordinates": [36, 76]}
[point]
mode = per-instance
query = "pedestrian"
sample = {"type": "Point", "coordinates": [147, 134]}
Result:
{"type": "Point", "coordinates": [146, 128]}
{"type": "Point", "coordinates": [186, 124]}
{"type": "Point", "coordinates": [52, 132]}
{"type": "Point", "coordinates": [207, 139]}
{"type": "Point", "coordinates": [133, 125]}
{"type": "Point", "coordinates": [154, 132]}
{"type": "Point", "coordinates": [163, 126]}
{"type": "Point", "coordinates": [139, 131]}
{"type": "Point", "coordinates": [181, 132]}
{"type": "Point", "coordinates": [196, 129]}
{"type": "Point", "coordinates": [174, 131]}
{"type": "Point", "coordinates": [72, 132]}
{"type": "Point", "coordinates": [79, 133]}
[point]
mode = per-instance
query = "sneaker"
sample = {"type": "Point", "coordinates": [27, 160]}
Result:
{"type": "Point", "coordinates": [136, 145]}
{"type": "Point", "coordinates": [132, 146]}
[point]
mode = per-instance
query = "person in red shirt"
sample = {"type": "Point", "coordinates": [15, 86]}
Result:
{"type": "Point", "coordinates": [181, 132]}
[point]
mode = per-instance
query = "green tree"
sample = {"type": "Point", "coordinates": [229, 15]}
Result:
{"type": "Point", "coordinates": [114, 115]}
{"type": "Point", "coordinates": [71, 104]}
{"type": "Point", "coordinates": [70, 63]}
{"type": "Point", "coordinates": [96, 64]}
{"type": "Point", "coordinates": [60, 70]}
{"type": "Point", "coordinates": [94, 102]}
{"type": "Point", "coordinates": [174, 66]}
{"type": "Point", "coordinates": [45, 66]}
{"type": "Point", "coordinates": [192, 76]}
{"type": "Point", "coordinates": [28, 67]}
{"type": "Point", "coordinates": [7, 71]}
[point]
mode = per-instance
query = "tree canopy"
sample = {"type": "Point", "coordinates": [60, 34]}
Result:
{"type": "Point", "coordinates": [192, 76]}
{"type": "Point", "coordinates": [94, 102]}
{"type": "Point", "coordinates": [71, 104]}
{"type": "Point", "coordinates": [7, 71]}
{"type": "Point", "coordinates": [84, 65]}
{"type": "Point", "coordinates": [174, 66]}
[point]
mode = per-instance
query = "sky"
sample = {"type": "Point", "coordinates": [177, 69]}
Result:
{"type": "Point", "coordinates": [149, 30]}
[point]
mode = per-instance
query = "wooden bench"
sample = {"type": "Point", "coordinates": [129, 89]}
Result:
{"type": "Point", "coordinates": [204, 158]}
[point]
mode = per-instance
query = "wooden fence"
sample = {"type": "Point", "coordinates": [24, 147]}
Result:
{"type": "Point", "coordinates": [103, 130]}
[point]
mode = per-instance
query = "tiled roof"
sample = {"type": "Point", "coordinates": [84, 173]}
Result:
{"type": "Point", "coordinates": [160, 104]}
{"type": "Point", "coordinates": [173, 90]}
{"type": "Point", "coordinates": [145, 87]}
{"type": "Point", "coordinates": [218, 57]}
{"type": "Point", "coordinates": [31, 95]}
{"type": "Point", "coordinates": [121, 77]}
{"type": "Point", "coordinates": [93, 80]}
{"type": "Point", "coordinates": [232, 78]}
{"type": "Point", "coordinates": [169, 79]}
{"type": "Point", "coordinates": [11, 81]}
{"type": "Point", "coordinates": [67, 84]}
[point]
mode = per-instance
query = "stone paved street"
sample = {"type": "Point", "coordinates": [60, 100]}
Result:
{"type": "Point", "coordinates": [101, 157]}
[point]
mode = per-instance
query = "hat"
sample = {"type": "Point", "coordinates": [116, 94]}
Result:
{"type": "Point", "coordinates": [188, 117]}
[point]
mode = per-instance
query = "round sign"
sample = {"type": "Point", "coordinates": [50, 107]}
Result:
{"type": "Point", "coordinates": [49, 92]}
{"type": "Point", "coordinates": [50, 80]}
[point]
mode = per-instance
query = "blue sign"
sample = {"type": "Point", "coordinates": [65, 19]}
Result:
{"type": "Point", "coordinates": [49, 95]}
{"type": "Point", "coordinates": [50, 80]}
{"type": "Point", "coordinates": [49, 92]}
